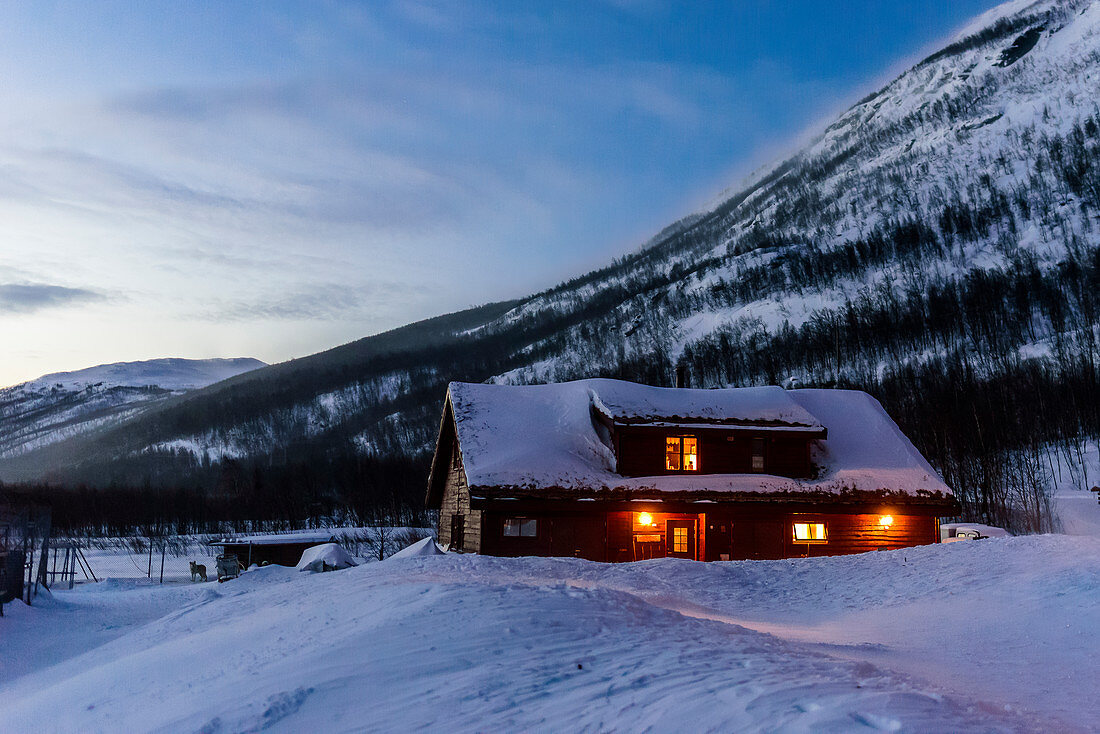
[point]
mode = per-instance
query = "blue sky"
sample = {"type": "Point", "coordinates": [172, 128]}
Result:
{"type": "Point", "coordinates": [272, 178]}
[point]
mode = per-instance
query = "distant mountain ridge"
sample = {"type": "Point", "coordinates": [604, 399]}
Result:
{"type": "Point", "coordinates": [60, 405]}
{"type": "Point", "coordinates": [170, 373]}
{"type": "Point", "coordinates": [937, 245]}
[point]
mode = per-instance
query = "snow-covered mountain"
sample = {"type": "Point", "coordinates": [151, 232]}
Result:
{"type": "Point", "coordinates": [171, 373]}
{"type": "Point", "coordinates": [937, 245]}
{"type": "Point", "coordinates": [64, 404]}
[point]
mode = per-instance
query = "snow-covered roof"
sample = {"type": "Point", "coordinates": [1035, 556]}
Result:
{"type": "Point", "coordinates": [628, 402]}
{"type": "Point", "coordinates": [295, 537]}
{"type": "Point", "coordinates": [527, 438]}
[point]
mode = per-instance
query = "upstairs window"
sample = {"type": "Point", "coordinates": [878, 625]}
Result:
{"type": "Point", "coordinates": [521, 527]}
{"type": "Point", "coordinates": [758, 454]}
{"type": "Point", "coordinates": [681, 453]}
{"type": "Point", "coordinates": [810, 532]}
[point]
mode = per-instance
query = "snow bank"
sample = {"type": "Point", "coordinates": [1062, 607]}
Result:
{"type": "Point", "coordinates": [997, 636]}
{"type": "Point", "coordinates": [327, 557]}
{"type": "Point", "coordinates": [425, 547]}
{"type": "Point", "coordinates": [543, 437]}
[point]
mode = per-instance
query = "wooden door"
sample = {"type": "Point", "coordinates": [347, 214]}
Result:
{"type": "Point", "coordinates": [680, 538]}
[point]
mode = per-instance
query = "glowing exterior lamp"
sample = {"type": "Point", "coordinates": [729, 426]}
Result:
{"type": "Point", "coordinates": [644, 518]}
{"type": "Point", "coordinates": [886, 521]}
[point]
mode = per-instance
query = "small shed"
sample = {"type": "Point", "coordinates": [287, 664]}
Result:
{"type": "Point", "coordinates": [281, 550]}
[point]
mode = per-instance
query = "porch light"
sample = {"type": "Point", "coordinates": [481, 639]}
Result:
{"type": "Point", "coordinates": [644, 518]}
{"type": "Point", "coordinates": [886, 521]}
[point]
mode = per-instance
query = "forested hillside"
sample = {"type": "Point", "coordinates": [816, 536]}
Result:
{"type": "Point", "coordinates": [938, 245]}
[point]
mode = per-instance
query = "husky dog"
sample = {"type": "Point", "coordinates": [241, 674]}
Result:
{"type": "Point", "coordinates": [197, 569]}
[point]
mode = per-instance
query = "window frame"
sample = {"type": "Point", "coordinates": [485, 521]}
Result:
{"type": "Point", "coordinates": [811, 524]}
{"type": "Point", "coordinates": [680, 437]}
{"type": "Point", "coordinates": [521, 523]}
{"type": "Point", "coordinates": [763, 455]}
{"type": "Point", "coordinates": [676, 539]}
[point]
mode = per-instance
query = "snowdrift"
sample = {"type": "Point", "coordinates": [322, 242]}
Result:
{"type": "Point", "coordinates": [996, 636]}
{"type": "Point", "coordinates": [425, 547]}
{"type": "Point", "coordinates": [327, 557]}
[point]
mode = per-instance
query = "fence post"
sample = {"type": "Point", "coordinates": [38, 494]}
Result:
{"type": "Point", "coordinates": [162, 561]}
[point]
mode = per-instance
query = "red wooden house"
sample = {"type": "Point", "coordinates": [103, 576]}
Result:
{"type": "Point", "coordinates": [614, 471]}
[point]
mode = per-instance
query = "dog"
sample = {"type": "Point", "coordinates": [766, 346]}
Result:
{"type": "Point", "coordinates": [197, 569]}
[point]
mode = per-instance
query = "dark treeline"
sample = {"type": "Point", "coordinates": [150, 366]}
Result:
{"type": "Point", "coordinates": [243, 496]}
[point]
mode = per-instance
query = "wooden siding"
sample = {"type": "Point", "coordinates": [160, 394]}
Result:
{"type": "Point", "coordinates": [562, 535]}
{"type": "Point", "coordinates": [640, 451]}
{"type": "Point", "coordinates": [722, 533]}
{"type": "Point", "coordinates": [770, 534]}
{"type": "Point", "coordinates": [621, 531]}
{"type": "Point", "coordinates": [456, 501]}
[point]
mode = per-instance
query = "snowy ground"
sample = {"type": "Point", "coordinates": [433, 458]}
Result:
{"type": "Point", "coordinates": [117, 558]}
{"type": "Point", "coordinates": [991, 635]}
{"type": "Point", "coordinates": [1072, 476]}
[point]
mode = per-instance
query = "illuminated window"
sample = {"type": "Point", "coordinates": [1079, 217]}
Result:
{"type": "Point", "coordinates": [809, 532]}
{"type": "Point", "coordinates": [681, 453]}
{"type": "Point", "coordinates": [520, 527]}
{"type": "Point", "coordinates": [758, 454]}
{"type": "Point", "coordinates": [679, 540]}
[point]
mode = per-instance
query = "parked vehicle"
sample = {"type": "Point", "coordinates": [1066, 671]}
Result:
{"type": "Point", "coordinates": [951, 532]}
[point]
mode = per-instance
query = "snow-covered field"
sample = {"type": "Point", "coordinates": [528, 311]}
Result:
{"type": "Point", "coordinates": [990, 635]}
{"type": "Point", "coordinates": [118, 558]}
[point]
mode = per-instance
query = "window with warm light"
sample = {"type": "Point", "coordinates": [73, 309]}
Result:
{"type": "Point", "coordinates": [521, 527]}
{"type": "Point", "coordinates": [679, 540]}
{"type": "Point", "coordinates": [809, 532]}
{"type": "Point", "coordinates": [681, 453]}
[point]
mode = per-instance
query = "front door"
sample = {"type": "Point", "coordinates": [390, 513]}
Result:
{"type": "Point", "coordinates": [680, 538]}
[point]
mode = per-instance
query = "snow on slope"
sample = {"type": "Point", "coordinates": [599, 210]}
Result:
{"type": "Point", "coordinates": [1074, 474]}
{"type": "Point", "coordinates": [64, 404]}
{"type": "Point", "coordinates": [990, 636]}
{"type": "Point", "coordinates": [959, 127]}
{"type": "Point", "coordinates": [168, 374]}
{"type": "Point", "coordinates": [302, 420]}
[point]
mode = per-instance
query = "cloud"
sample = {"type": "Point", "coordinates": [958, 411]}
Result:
{"type": "Point", "coordinates": [331, 302]}
{"type": "Point", "coordinates": [30, 297]}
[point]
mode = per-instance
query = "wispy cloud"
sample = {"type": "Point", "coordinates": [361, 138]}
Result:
{"type": "Point", "coordinates": [30, 297]}
{"type": "Point", "coordinates": [317, 303]}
